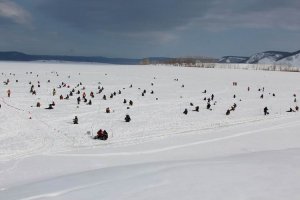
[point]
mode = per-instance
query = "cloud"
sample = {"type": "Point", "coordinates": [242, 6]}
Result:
{"type": "Point", "coordinates": [125, 16]}
{"type": "Point", "coordinates": [253, 14]}
{"type": "Point", "coordinates": [173, 15]}
{"type": "Point", "coordinates": [13, 12]}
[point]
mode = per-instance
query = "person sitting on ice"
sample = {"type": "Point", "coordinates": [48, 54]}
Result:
{"type": "Point", "coordinates": [105, 135]}
{"type": "Point", "coordinates": [297, 108]}
{"type": "Point", "coordinates": [228, 112]}
{"type": "Point", "coordinates": [84, 99]}
{"type": "Point", "coordinates": [127, 118]}
{"type": "Point", "coordinates": [67, 97]}
{"type": "Point", "coordinates": [290, 110]}
{"type": "Point", "coordinates": [99, 134]}
{"type": "Point", "coordinates": [75, 120]}
{"type": "Point", "coordinates": [78, 100]}
{"type": "Point", "coordinates": [92, 94]}
{"type": "Point", "coordinates": [50, 107]}
{"type": "Point", "coordinates": [208, 106]}
{"type": "Point", "coordinates": [107, 110]}
{"type": "Point", "coordinates": [90, 102]}
{"type": "Point", "coordinates": [196, 109]}
{"type": "Point", "coordinates": [130, 102]}
{"type": "Point", "coordinates": [204, 92]}
{"type": "Point", "coordinates": [53, 103]}
{"type": "Point", "coordinates": [185, 111]}
{"type": "Point", "coordinates": [232, 108]}
{"type": "Point", "coordinates": [152, 92]}
{"type": "Point", "coordinates": [262, 96]}
{"type": "Point", "coordinates": [266, 111]}
{"type": "Point", "coordinates": [234, 105]}
{"type": "Point", "coordinates": [38, 104]}
{"type": "Point", "coordinates": [104, 97]}
{"type": "Point", "coordinates": [124, 101]}
{"type": "Point", "coordinates": [31, 88]}
{"type": "Point", "coordinates": [61, 97]}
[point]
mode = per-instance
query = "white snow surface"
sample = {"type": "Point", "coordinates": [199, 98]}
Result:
{"type": "Point", "coordinates": [293, 60]}
{"type": "Point", "coordinates": [161, 153]}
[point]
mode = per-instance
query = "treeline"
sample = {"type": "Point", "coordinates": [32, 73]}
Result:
{"type": "Point", "coordinates": [264, 67]}
{"type": "Point", "coordinates": [183, 61]}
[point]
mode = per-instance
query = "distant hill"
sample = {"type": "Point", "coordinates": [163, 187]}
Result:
{"type": "Point", "coordinates": [233, 59]}
{"type": "Point", "coordinates": [267, 57]}
{"type": "Point", "coordinates": [18, 56]}
{"type": "Point", "coordinates": [291, 60]}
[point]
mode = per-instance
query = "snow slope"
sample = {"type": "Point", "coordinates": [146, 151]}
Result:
{"type": "Point", "coordinates": [292, 60]}
{"type": "Point", "coordinates": [160, 154]}
{"type": "Point", "coordinates": [267, 57]}
{"type": "Point", "coordinates": [233, 59]}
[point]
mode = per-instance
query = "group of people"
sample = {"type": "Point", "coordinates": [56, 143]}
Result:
{"type": "Point", "coordinates": [231, 109]}
{"type": "Point", "coordinates": [234, 106]}
{"type": "Point", "coordinates": [101, 135]}
{"type": "Point", "coordinates": [80, 92]}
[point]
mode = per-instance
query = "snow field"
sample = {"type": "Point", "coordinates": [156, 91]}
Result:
{"type": "Point", "coordinates": [203, 154]}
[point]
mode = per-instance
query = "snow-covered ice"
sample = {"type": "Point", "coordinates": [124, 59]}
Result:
{"type": "Point", "coordinates": [161, 153]}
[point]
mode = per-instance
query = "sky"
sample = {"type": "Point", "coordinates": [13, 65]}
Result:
{"type": "Point", "coordinates": [144, 28]}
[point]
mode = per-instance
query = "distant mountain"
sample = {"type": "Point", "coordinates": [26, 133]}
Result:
{"type": "Point", "coordinates": [291, 60]}
{"type": "Point", "coordinates": [233, 59]}
{"type": "Point", "coordinates": [15, 56]}
{"type": "Point", "coordinates": [18, 56]}
{"type": "Point", "coordinates": [267, 57]}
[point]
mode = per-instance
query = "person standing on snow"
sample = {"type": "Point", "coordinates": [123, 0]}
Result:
{"type": "Point", "coordinates": [266, 110]}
